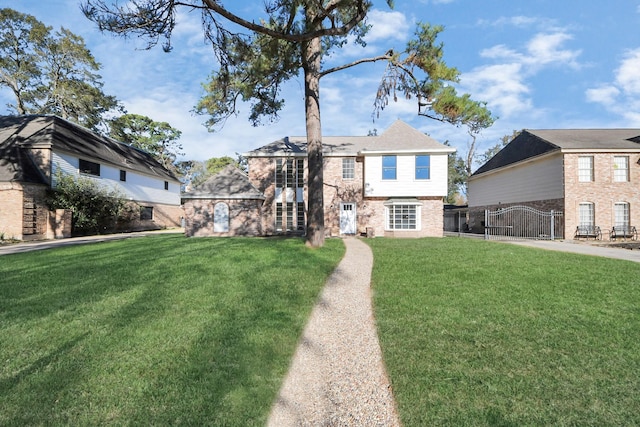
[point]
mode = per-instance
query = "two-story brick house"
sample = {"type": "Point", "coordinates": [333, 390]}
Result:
{"type": "Point", "coordinates": [591, 175]}
{"type": "Point", "coordinates": [393, 184]}
{"type": "Point", "coordinates": [33, 148]}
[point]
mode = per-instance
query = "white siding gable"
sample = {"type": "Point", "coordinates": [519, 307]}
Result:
{"type": "Point", "coordinates": [540, 179]}
{"type": "Point", "coordinates": [138, 187]}
{"type": "Point", "coordinates": [405, 184]}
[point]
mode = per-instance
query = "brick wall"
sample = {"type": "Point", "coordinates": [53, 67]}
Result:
{"type": "Point", "coordinates": [23, 212]}
{"type": "Point", "coordinates": [262, 176]}
{"type": "Point", "coordinates": [338, 190]}
{"type": "Point", "coordinates": [11, 210]}
{"type": "Point", "coordinates": [244, 218]}
{"type": "Point", "coordinates": [603, 192]}
{"type": "Point", "coordinates": [370, 211]}
{"type": "Point", "coordinates": [431, 218]}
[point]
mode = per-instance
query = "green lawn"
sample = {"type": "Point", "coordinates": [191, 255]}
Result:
{"type": "Point", "coordinates": [486, 333]}
{"type": "Point", "coordinates": [158, 330]}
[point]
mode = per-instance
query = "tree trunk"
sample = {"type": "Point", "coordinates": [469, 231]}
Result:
{"type": "Point", "coordinates": [315, 211]}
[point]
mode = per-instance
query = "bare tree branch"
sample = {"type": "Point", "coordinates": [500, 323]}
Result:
{"type": "Point", "coordinates": [385, 57]}
{"type": "Point", "coordinates": [334, 31]}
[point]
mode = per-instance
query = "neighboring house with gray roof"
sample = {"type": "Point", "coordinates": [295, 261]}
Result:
{"type": "Point", "coordinates": [591, 175]}
{"type": "Point", "coordinates": [227, 204]}
{"type": "Point", "coordinates": [393, 184]}
{"type": "Point", "coordinates": [34, 148]}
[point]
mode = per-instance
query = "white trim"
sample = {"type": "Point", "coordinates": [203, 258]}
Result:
{"type": "Point", "coordinates": [365, 152]}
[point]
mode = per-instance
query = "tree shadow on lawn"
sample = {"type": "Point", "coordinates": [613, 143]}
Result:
{"type": "Point", "coordinates": [147, 349]}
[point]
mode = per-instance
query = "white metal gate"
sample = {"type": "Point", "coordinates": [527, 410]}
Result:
{"type": "Point", "coordinates": [523, 222]}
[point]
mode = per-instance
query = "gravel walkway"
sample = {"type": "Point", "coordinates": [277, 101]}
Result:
{"type": "Point", "coordinates": [337, 377]}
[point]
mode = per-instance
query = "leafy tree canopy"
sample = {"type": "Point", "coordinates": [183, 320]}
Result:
{"type": "Point", "coordinates": [50, 72]}
{"type": "Point", "coordinates": [157, 138]}
{"type": "Point", "coordinates": [256, 55]}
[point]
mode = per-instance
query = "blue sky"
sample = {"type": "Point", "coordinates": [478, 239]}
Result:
{"type": "Point", "coordinates": [539, 64]}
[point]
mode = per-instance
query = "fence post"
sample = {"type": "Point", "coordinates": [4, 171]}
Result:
{"type": "Point", "coordinates": [486, 223]}
{"type": "Point", "coordinates": [553, 225]}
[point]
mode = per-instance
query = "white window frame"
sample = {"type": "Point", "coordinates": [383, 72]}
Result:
{"type": "Point", "coordinates": [620, 168]}
{"type": "Point", "coordinates": [221, 218]}
{"type": "Point", "coordinates": [387, 170]}
{"type": "Point", "coordinates": [621, 214]}
{"type": "Point", "coordinates": [585, 169]}
{"type": "Point", "coordinates": [421, 169]}
{"type": "Point", "coordinates": [348, 168]}
{"type": "Point", "coordinates": [398, 216]}
{"type": "Point", "coordinates": [586, 214]}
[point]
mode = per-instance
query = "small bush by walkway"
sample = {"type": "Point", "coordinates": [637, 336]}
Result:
{"type": "Point", "coordinates": [485, 333]}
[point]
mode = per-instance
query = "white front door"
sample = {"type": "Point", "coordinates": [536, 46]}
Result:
{"type": "Point", "coordinates": [347, 218]}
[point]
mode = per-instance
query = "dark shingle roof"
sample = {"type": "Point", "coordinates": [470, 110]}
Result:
{"type": "Point", "coordinates": [59, 134]}
{"type": "Point", "coordinates": [17, 166]}
{"type": "Point", "coordinates": [532, 143]}
{"type": "Point", "coordinates": [399, 137]}
{"type": "Point", "coordinates": [229, 183]}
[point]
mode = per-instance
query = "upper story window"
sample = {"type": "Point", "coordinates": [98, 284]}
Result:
{"type": "Point", "coordinates": [123, 176]}
{"type": "Point", "coordinates": [389, 166]}
{"type": "Point", "coordinates": [166, 185]}
{"type": "Point", "coordinates": [621, 168]}
{"type": "Point", "coordinates": [89, 168]}
{"type": "Point", "coordinates": [348, 168]}
{"type": "Point", "coordinates": [585, 168]}
{"type": "Point", "coordinates": [423, 167]}
{"type": "Point", "coordinates": [289, 173]}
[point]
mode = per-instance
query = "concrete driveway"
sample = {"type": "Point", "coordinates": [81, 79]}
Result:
{"type": "Point", "coordinates": [16, 248]}
{"type": "Point", "coordinates": [583, 248]}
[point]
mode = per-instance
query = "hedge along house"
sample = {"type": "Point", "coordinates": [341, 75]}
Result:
{"type": "Point", "coordinates": [393, 184]}
{"type": "Point", "coordinates": [33, 148]}
{"type": "Point", "coordinates": [227, 204]}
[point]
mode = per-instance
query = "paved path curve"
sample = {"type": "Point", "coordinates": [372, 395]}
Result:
{"type": "Point", "coordinates": [337, 377]}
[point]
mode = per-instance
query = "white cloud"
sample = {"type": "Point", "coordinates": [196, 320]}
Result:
{"type": "Point", "coordinates": [504, 84]}
{"type": "Point", "coordinates": [628, 74]}
{"type": "Point", "coordinates": [387, 26]}
{"type": "Point", "coordinates": [501, 86]}
{"type": "Point", "coordinates": [621, 96]}
{"type": "Point", "coordinates": [605, 95]}
{"type": "Point", "coordinates": [387, 29]}
{"type": "Point", "coordinates": [501, 52]}
{"type": "Point", "coordinates": [546, 49]}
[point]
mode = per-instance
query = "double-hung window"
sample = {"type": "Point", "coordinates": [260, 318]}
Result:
{"type": "Point", "coordinates": [586, 214]}
{"type": "Point", "coordinates": [621, 168]}
{"type": "Point", "coordinates": [423, 167]}
{"type": "Point", "coordinates": [621, 215]}
{"type": "Point", "coordinates": [585, 168]}
{"type": "Point", "coordinates": [348, 168]}
{"type": "Point", "coordinates": [389, 167]}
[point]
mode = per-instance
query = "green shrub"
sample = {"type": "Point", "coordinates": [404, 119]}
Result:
{"type": "Point", "coordinates": [95, 208]}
